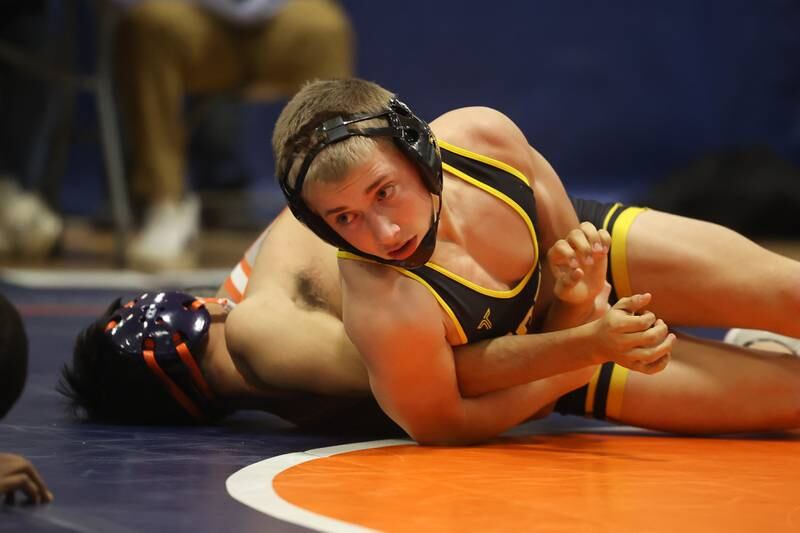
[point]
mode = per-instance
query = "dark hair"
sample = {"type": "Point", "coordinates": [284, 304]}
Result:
{"type": "Point", "coordinates": [13, 355]}
{"type": "Point", "coordinates": [105, 386]}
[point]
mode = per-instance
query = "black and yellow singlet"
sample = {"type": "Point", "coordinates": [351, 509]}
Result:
{"type": "Point", "coordinates": [478, 313]}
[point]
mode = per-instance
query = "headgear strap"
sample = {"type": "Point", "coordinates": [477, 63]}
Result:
{"type": "Point", "coordinates": [415, 140]}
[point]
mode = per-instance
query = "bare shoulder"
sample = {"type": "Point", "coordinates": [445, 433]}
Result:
{"type": "Point", "coordinates": [384, 308]}
{"type": "Point", "coordinates": [289, 252]}
{"type": "Point", "coordinates": [486, 131]}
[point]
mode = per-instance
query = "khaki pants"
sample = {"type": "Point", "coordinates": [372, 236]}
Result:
{"type": "Point", "coordinates": [168, 49]}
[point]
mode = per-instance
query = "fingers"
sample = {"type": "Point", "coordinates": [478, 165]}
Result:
{"type": "Point", "coordinates": [583, 245]}
{"type": "Point", "coordinates": [47, 496]}
{"type": "Point", "coordinates": [564, 265]}
{"type": "Point", "coordinates": [649, 360]}
{"type": "Point", "coordinates": [633, 304]}
{"type": "Point", "coordinates": [635, 324]}
{"type": "Point", "coordinates": [589, 243]}
{"type": "Point", "coordinates": [17, 473]}
{"type": "Point", "coordinates": [22, 482]}
{"type": "Point", "coordinates": [561, 257]}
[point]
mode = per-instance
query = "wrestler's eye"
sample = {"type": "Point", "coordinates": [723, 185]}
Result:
{"type": "Point", "coordinates": [343, 219]}
{"type": "Point", "coordinates": [385, 192]}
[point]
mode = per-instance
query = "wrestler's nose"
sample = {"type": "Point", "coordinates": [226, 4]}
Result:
{"type": "Point", "coordinates": [385, 230]}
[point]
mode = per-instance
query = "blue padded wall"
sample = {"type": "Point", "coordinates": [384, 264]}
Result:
{"type": "Point", "coordinates": [610, 92]}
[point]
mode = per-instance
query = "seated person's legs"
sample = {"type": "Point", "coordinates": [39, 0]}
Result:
{"type": "Point", "coordinates": [307, 39]}
{"type": "Point", "coordinates": [167, 49]}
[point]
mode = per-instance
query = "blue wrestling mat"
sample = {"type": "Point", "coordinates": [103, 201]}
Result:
{"type": "Point", "coordinates": [116, 479]}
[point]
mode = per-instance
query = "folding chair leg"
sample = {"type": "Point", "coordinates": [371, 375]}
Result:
{"type": "Point", "coordinates": [110, 133]}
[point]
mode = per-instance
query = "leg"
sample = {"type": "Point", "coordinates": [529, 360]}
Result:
{"type": "Point", "coordinates": [711, 387]}
{"type": "Point", "coordinates": [702, 274]}
{"type": "Point", "coordinates": [307, 39]}
{"type": "Point", "coordinates": [167, 49]}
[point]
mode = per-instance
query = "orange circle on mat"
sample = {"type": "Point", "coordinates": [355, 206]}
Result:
{"type": "Point", "coordinates": [569, 482]}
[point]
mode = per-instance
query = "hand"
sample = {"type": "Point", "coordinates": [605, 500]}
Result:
{"type": "Point", "coordinates": [17, 473]}
{"type": "Point", "coordinates": [634, 338]}
{"type": "Point", "coordinates": [579, 263]}
{"type": "Point", "coordinates": [601, 305]}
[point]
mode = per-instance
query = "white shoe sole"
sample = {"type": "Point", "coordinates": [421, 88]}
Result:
{"type": "Point", "coordinates": [748, 337]}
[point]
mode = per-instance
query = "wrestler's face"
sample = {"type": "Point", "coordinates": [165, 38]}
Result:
{"type": "Point", "coordinates": [381, 207]}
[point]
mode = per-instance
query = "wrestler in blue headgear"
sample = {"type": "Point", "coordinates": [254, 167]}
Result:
{"type": "Point", "coordinates": [148, 351]}
{"type": "Point", "coordinates": [410, 134]}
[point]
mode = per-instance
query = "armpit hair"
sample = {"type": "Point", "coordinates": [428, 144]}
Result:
{"type": "Point", "coordinates": [308, 291]}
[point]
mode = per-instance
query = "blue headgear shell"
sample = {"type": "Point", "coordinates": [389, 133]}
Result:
{"type": "Point", "coordinates": [415, 140]}
{"type": "Point", "coordinates": [165, 329]}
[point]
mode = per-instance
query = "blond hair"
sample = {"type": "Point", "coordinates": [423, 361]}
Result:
{"type": "Point", "coordinates": [314, 103]}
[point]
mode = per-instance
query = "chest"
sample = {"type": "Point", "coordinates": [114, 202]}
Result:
{"type": "Point", "coordinates": [495, 246]}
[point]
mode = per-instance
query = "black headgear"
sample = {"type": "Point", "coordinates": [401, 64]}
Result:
{"type": "Point", "coordinates": [164, 329]}
{"type": "Point", "coordinates": [415, 140]}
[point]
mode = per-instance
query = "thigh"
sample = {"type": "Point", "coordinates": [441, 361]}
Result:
{"type": "Point", "coordinates": [703, 274]}
{"type": "Point", "coordinates": [307, 39]}
{"type": "Point", "coordinates": [712, 387]}
{"type": "Point", "coordinates": [203, 48]}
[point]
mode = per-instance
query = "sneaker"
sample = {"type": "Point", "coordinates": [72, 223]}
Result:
{"type": "Point", "coordinates": [750, 337]}
{"type": "Point", "coordinates": [28, 227]}
{"type": "Point", "coordinates": [168, 237]}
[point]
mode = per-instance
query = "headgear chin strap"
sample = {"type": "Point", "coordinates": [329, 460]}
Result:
{"type": "Point", "coordinates": [165, 329]}
{"type": "Point", "coordinates": [415, 140]}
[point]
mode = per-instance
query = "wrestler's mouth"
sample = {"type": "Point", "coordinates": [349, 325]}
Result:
{"type": "Point", "coordinates": [404, 250]}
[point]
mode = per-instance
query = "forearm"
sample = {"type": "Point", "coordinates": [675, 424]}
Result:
{"type": "Point", "coordinates": [562, 315]}
{"type": "Point", "coordinates": [486, 416]}
{"type": "Point", "coordinates": [509, 361]}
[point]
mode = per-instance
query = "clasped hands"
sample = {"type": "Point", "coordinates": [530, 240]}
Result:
{"type": "Point", "coordinates": [625, 333]}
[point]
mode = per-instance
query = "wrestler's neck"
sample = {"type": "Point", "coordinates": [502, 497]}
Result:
{"type": "Point", "coordinates": [451, 220]}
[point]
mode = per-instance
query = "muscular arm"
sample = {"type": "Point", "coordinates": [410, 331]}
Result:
{"type": "Point", "coordinates": [399, 331]}
{"type": "Point", "coordinates": [276, 341]}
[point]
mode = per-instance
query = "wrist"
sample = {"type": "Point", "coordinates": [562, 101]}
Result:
{"type": "Point", "coordinates": [578, 313]}
{"type": "Point", "coordinates": [591, 348]}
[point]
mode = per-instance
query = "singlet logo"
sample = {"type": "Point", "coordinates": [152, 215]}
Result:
{"type": "Point", "coordinates": [486, 323]}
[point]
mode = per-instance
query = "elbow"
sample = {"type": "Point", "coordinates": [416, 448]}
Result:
{"type": "Point", "coordinates": [442, 431]}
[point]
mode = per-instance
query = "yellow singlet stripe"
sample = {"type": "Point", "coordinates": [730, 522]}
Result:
{"type": "Point", "coordinates": [616, 390]}
{"type": "Point", "coordinates": [483, 159]}
{"type": "Point", "coordinates": [610, 214]}
{"type": "Point", "coordinates": [591, 391]}
{"type": "Point", "coordinates": [619, 255]}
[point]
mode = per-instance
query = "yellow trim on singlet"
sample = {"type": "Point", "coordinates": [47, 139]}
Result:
{"type": "Point", "coordinates": [619, 256]}
{"type": "Point", "coordinates": [463, 281]}
{"type": "Point", "coordinates": [342, 254]}
{"type": "Point", "coordinates": [610, 214]}
{"type": "Point", "coordinates": [483, 159]}
{"type": "Point", "coordinates": [589, 406]}
{"type": "Point", "coordinates": [483, 290]}
{"type": "Point", "coordinates": [513, 205]}
{"type": "Point", "coordinates": [616, 389]}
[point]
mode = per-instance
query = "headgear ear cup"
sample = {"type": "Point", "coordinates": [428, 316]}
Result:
{"type": "Point", "coordinates": [165, 330]}
{"type": "Point", "coordinates": [415, 140]}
